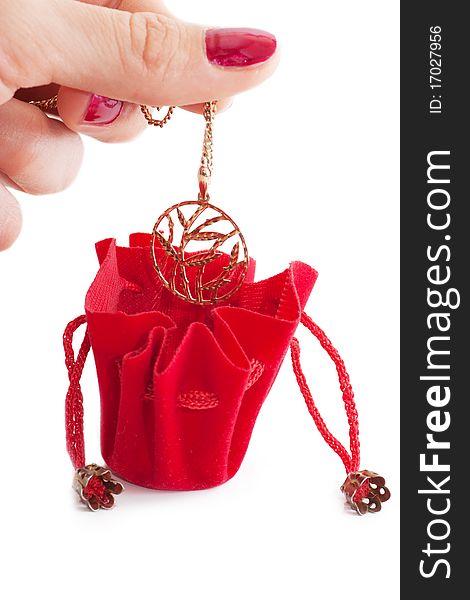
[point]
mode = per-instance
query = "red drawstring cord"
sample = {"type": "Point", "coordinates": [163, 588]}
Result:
{"type": "Point", "coordinates": [94, 484]}
{"type": "Point", "coordinates": [351, 462]}
{"type": "Point", "coordinates": [74, 399]}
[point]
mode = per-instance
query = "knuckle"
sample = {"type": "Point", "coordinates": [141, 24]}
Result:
{"type": "Point", "coordinates": [157, 43]}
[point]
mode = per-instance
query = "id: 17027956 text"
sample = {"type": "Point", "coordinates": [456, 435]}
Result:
{"type": "Point", "coordinates": [435, 69]}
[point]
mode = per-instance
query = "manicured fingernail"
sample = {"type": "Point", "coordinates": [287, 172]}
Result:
{"type": "Point", "coordinates": [239, 47]}
{"type": "Point", "coordinates": [102, 110]}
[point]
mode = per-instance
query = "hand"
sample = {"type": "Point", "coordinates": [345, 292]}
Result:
{"type": "Point", "coordinates": [131, 50]}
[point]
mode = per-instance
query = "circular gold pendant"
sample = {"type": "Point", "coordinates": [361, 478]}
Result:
{"type": "Point", "coordinates": [198, 252]}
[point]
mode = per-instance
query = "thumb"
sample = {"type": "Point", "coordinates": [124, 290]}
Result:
{"type": "Point", "coordinates": [141, 57]}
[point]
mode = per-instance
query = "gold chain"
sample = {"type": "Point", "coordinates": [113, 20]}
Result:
{"type": "Point", "coordinates": [45, 105]}
{"type": "Point", "coordinates": [205, 170]}
{"type": "Point", "coordinates": [156, 122]}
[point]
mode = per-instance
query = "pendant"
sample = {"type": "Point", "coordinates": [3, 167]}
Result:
{"type": "Point", "coordinates": [204, 258]}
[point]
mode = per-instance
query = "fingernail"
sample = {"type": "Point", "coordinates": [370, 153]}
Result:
{"type": "Point", "coordinates": [102, 110]}
{"type": "Point", "coordinates": [239, 47]}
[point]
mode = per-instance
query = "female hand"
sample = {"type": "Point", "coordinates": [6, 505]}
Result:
{"type": "Point", "coordinates": [91, 54]}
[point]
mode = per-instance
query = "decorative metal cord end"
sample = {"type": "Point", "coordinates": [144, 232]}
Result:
{"type": "Point", "coordinates": [96, 487]}
{"type": "Point", "coordinates": [365, 491]}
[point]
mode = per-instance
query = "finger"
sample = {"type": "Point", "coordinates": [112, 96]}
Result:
{"type": "Point", "coordinates": [103, 118]}
{"type": "Point", "coordinates": [99, 117]}
{"type": "Point", "coordinates": [38, 154]}
{"type": "Point", "coordinates": [137, 57]}
{"type": "Point", "coordinates": [106, 119]}
{"type": "Point", "coordinates": [10, 218]}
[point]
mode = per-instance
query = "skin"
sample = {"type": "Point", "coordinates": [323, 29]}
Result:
{"type": "Point", "coordinates": [141, 54]}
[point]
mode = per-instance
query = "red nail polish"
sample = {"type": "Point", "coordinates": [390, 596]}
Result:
{"type": "Point", "coordinates": [102, 110]}
{"type": "Point", "coordinates": [239, 47]}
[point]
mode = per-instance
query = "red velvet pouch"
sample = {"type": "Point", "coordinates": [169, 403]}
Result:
{"type": "Point", "coordinates": [181, 384]}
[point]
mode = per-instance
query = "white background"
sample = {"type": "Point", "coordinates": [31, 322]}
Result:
{"type": "Point", "coordinates": [316, 148]}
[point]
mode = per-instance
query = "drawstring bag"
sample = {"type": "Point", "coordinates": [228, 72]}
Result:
{"type": "Point", "coordinates": [181, 384]}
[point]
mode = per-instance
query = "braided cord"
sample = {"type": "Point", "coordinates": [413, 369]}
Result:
{"type": "Point", "coordinates": [350, 461]}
